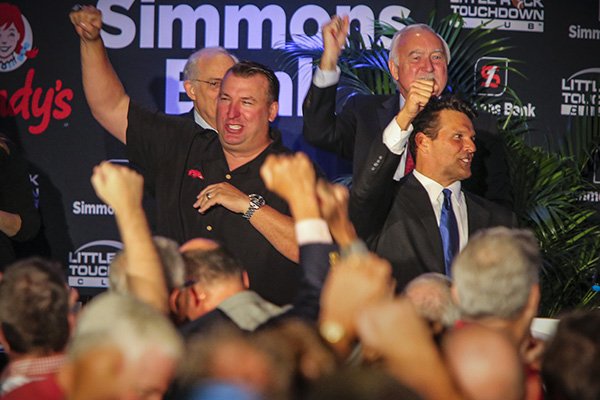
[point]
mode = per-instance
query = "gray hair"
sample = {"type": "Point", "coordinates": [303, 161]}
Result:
{"type": "Point", "coordinates": [123, 321]}
{"type": "Point", "coordinates": [437, 305]}
{"type": "Point", "coordinates": [407, 29]}
{"type": "Point", "coordinates": [189, 70]}
{"type": "Point", "coordinates": [171, 263]}
{"type": "Point", "coordinates": [495, 272]}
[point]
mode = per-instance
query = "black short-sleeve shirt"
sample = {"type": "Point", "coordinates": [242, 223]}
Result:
{"type": "Point", "coordinates": [179, 159]}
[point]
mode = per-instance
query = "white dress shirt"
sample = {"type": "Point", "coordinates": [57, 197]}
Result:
{"type": "Point", "coordinates": [459, 205]}
{"type": "Point", "coordinates": [201, 121]}
{"type": "Point", "coordinates": [395, 138]}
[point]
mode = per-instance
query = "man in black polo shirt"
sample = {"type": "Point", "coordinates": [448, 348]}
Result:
{"type": "Point", "coordinates": [206, 185]}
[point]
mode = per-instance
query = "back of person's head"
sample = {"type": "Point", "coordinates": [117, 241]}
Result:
{"type": "Point", "coordinates": [171, 263]}
{"type": "Point", "coordinates": [224, 354]}
{"type": "Point", "coordinates": [248, 69]}
{"type": "Point", "coordinates": [124, 322]}
{"type": "Point", "coordinates": [209, 266]}
{"type": "Point", "coordinates": [428, 122]}
{"type": "Point", "coordinates": [571, 363]}
{"type": "Point", "coordinates": [431, 295]}
{"type": "Point", "coordinates": [299, 353]}
{"type": "Point", "coordinates": [484, 363]}
{"type": "Point", "coordinates": [495, 273]}
{"type": "Point", "coordinates": [34, 307]}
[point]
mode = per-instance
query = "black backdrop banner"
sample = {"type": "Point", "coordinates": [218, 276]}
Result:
{"type": "Point", "coordinates": [43, 109]}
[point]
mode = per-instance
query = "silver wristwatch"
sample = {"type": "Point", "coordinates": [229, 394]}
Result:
{"type": "Point", "coordinates": [256, 202]}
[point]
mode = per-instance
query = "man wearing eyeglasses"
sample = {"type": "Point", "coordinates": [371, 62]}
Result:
{"type": "Point", "coordinates": [202, 76]}
{"type": "Point", "coordinates": [205, 185]}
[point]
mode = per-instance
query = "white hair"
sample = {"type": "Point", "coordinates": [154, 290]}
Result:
{"type": "Point", "coordinates": [407, 29]}
{"type": "Point", "coordinates": [496, 271]}
{"type": "Point", "coordinates": [123, 321]}
{"type": "Point", "coordinates": [172, 265]}
{"type": "Point", "coordinates": [190, 71]}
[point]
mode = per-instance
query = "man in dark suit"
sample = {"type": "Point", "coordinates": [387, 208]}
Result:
{"type": "Point", "coordinates": [418, 63]}
{"type": "Point", "coordinates": [405, 221]}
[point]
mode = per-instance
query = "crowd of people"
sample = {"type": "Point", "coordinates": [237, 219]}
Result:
{"type": "Point", "coordinates": [269, 282]}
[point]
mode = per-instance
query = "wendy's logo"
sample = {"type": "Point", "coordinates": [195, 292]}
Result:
{"type": "Point", "coordinates": [16, 38]}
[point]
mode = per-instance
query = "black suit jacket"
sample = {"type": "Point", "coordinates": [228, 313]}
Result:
{"type": "Point", "coordinates": [398, 221]}
{"type": "Point", "coordinates": [363, 118]}
{"type": "Point", "coordinates": [189, 114]}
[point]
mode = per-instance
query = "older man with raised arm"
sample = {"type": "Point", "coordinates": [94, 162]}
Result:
{"type": "Point", "coordinates": [418, 63]}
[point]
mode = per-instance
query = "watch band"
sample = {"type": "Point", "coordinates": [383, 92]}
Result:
{"type": "Point", "coordinates": [256, 202]}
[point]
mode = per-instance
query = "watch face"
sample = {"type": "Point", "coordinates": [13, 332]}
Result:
{"type": "Point", "coordinates": [257, 199]}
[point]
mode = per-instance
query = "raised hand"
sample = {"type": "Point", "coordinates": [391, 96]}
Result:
{"type": "Point", "coordinates": [419, 93]}
{"type": "Point", "coordinates": [87, 21]}
{"type": "Point", "coordinates": [119, 187]}
{"type": "Point", "coordinates": [334, 39]}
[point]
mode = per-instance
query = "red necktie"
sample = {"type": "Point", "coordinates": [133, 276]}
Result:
{"type": "Point", "coordinates": [410, 163]}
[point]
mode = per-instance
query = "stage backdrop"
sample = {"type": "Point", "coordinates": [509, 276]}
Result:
{"type": "Point", "coordinates": [43, 108]}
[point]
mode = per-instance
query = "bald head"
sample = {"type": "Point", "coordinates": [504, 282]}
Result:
{"type": "Point", "coordinates": [417, 52]}
{"type": "Point", "coordinates": [484, 363]}
{"type": "Point", "coordinates": [430, 294]}
{"type": "Point", "coordinates": [203, 74]}
{"type": "Point", "coordinates": [198, 244]}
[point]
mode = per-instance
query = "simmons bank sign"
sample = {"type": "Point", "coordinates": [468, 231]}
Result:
{"type": "Point", "coordinates": [239, 26]}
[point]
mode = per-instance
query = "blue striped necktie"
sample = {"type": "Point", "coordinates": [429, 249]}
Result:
{"type": "Point", "coordinates": [448, 231]}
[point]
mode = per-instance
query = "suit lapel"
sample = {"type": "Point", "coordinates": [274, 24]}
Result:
{"type": "Point", "coordinates": [416, 201]}
{"type": "Point", "coordinates": [386, 112]}
{"type": "Point", "coordinates": [478, 215]}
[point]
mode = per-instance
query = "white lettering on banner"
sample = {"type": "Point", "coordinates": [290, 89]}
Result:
{"type": "Point", "coordinates": [508, 108]}
{"type": "Point", "coordinates": [124, 24]}
{"type": "Point", "coordinates": [188, 18]}
{"type": "Point", "coordinates": [501, 14]}
{"type": "Point", "coordinates": [577, 32]}
{"type": "Point", "coordinates": [83, 208]}
{"type": "Point", "coordinates": [580, 93]}
{"type": "Point", "coordinates": [33, 179]}
{"type": "Point", "coordinates": [75, 281]}
{"type": "Point", "coordinates": [185, 19]}
{"type": "Point", "coordinates": [590, 197]}
{"type": "Point", "coordinates": [89, 265]}
{"type": "Point", "coordinates": [255, 19]}
{"type": "Point", "coordinates": [174, 91]}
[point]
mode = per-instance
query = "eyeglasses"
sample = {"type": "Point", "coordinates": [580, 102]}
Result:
{"type": "Point", "coordinates": [214, 84]}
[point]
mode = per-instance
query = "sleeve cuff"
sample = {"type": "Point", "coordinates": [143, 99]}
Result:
{"type": "Point", "coordinates": [323, 79]}
{"type": "Point", "coordinates": [395, 138]}
{"type": "Point", "coordinates": [310, 231]}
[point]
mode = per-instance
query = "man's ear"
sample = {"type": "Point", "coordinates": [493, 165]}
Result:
{"type": "Point", "coordinates": [173, 297]}
{"type": "Point", "coordinates": [533, 301]}
{"type": "Point", "coordinates": [422, 141]}
{"type": "Point", "coordinates": [190, 89]}
{"type": "Point", "coordinates": [197, 294]}
{"type": "Point", "coordinates": [245, 279]}
{"type": "Point", "coordinates": [393, 69]}
{"type": "Point", "coordinates": [273, 110]}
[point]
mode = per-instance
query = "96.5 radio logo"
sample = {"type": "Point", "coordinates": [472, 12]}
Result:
{"type": "Point", "coordinates": [491, 76]}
